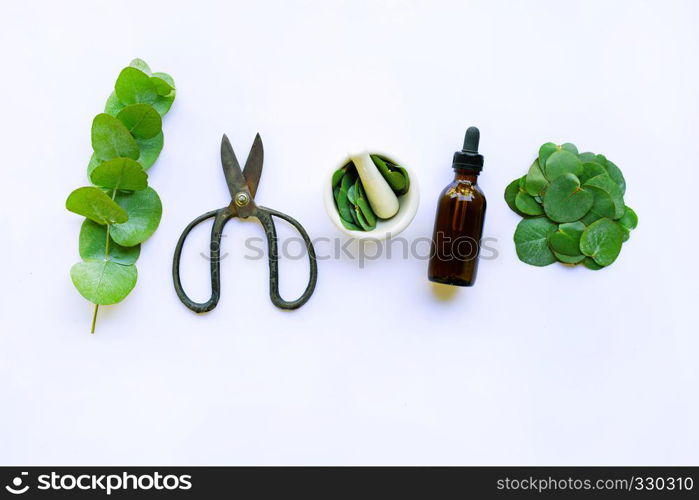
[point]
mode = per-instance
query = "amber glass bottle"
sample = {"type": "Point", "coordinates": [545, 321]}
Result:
{"type": "Point", "coordinates": [458, 225]}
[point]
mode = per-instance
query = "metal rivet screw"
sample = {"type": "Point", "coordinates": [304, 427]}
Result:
{"type": "Point", "coordinates": [242, 199]}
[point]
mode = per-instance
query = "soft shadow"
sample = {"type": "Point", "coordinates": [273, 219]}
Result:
{"type": "Point", "coordinates": [444, 293]}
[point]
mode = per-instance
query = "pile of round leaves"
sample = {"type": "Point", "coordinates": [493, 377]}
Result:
{"type": "Point", "coordinates": [350, 198]}
{"type": "Point", "coordinates": [121, 211]}
{"type": "Point", "coordinates": [573, 209]}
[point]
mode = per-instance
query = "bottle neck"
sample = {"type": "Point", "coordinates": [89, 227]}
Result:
{"type": "Point", "coordinates": [465, 175]}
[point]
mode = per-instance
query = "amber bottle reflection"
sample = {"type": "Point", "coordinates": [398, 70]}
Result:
{"type": "Point", "coordinates": [459, 221]}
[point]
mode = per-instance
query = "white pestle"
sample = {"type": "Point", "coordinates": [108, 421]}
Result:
{"type": "Point", "coordinates": [382, 199]}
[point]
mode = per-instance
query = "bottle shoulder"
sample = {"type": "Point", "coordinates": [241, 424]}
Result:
{"type": "Point", "coordinates": [460, 188]}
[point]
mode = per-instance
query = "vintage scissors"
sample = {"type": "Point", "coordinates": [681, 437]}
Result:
{"type": "Point", "coordinates": [243, 186]}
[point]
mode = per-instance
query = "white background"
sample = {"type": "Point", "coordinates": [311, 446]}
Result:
{"type": "Point", "coordinates": [531, 366]}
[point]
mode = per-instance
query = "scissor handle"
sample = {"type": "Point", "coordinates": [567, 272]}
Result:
{"type": "Point", "coordinates": [222, 216]}
{"type": "Point", "coordinates": [264, 215]}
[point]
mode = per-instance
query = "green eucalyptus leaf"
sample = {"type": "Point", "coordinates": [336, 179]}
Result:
{"type": "Point", "coordinates": [570, 147]}
{"type": "Point", "coordinates": [568, 259]}
{"type": "Point", "coordinates": [344, 207]}
{"type": "Point", "coordinates": [629, 220]}
{"type": "Point", "coordinates": [150, 150]}
{"type": "Point", "coordinates": [144, 210]}
{"type": "Point", "coordinates": [134, 87]}
{"type": "Point", "coordinates": [395, 176]}
{"type": "Point", "coordinates": [140, 64]}
{"type": "Point", "coordinates": [350, 225]}
{"type": "Point", "coordinates": [566, 240]}
{"type": "Point", "coordinates": [352, 195]}
{"type": "Point", "coordinates": [545, 151]}
{"type": "Point", "coordinates": [142, 120]}
{"type": "Point", "coordinates": [602, 206]}
{"type": "Point", "coordinates": [93, 203]}
{"type": "Point", "coordinates": [588, 157]}
{"type": "Point", "coordinates": [562, 162]}
{"type": "Point", "coordinates": [163, 103]}
{"type": "Point", "coordinates": [113, 105]}
{"type": "Point", "coordinates": [337, 176]}
{"type": "Point", "coordinates": [565, 200]}
{"type": "Point", "coordinates": [606, 184]}
{"type": "Point", "coordinates": [531, 241]}
{"type": "Point", "coordinates": [161, 86]}
{"type": "Point", "coordinates": [93, 245]}
{"type": "Point", "coordinates": [526, 203]}
{"type": "Point", "coordinates": [120, 173]}
{"type": "Point", "coordinates": [104, 282]}
{"type": "Point", "coordinates": [363, 204]}
{"type": "Point", "coordinates": [111, 138]}
{"type": "Point", "coordinates": [363, 222]}
{"type": "Point", "coordinates": [591, 169]}
{"type": "Point", "coordinates": [93, 164]}
{"type": "Point", "coordinates": [535, 182]}
{"type": "Point", "coordinates": [591, 264]}
{"type": "Point", "coordinates": [616, 175]}
{"type": "Point", "coordinates": [601, 241]}
{"type": "Point", "coordinates": [510, 196]}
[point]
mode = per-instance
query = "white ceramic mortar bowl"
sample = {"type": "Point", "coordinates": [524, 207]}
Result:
{"type": "Point", "coordinates": [407, 206]}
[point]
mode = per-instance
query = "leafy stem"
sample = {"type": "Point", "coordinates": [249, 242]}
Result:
{"type": "Point", "coordinates": [106, 258]}
{"type": "Point", "coordinates": [126, 140]}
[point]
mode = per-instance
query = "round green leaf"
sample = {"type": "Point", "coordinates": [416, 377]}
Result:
{"type": "Point", "coordinates": [161, 86]}
{"type": "Point", "coordinates": [111, 139]}
{"type": "Point", "coordinates": [133, 86]}
{"type": "Point", "coordinates": [565, 200]}
{"type": "Point", "coordinates": [531, 241]}
{"type": "Point", "coordinates": [562, 162]}
{"type": "Point", "coordinates": [150, 150]}
{"type": "Point", "coordinates": [93, 245]}
{"type": "Point", "coordinates": [566, 240]}
{"type": "Point", "coordinates": [591, 264]}
{"type": "Point", "coordinates": [337, 176]}
{"type": "Point", "coordinates": [570, 147]}
{"type": "Point", "coordinates": [141, 65]}
{"type": "Point", "coordinates": [606, 184]}
{"type": "Point", "coordinates": [590, 157]}
{"type": "Point", "coordinates": [120, 173]}
{"type": "Point", "coordinates": [527, 204]}
{"type": "Point", "coordinates": [352, 194]}
{"type": "Point", "coordinates": [590, 170]}
{"type": "Point", "coordinates": [602, 206]}
{"type": "Point", "coordinates": [629, 220]}
{"type": "Point", "coordinates": [602, 241]}
{"type": "Point", "coordinates": [113, 105]}
{"type": "Point", "coordinates": [363, 204]}
{"type": "Point", "coordinates": [93, 164]}
{"type": "Point", "coordinates": [545, 151]}
{"type": "Point", "coordinates": [510, 196]}
{"type": "Point", "coordinates": [142, 120]}
{"type": "Point", "coordinates": [567, 259]}
{"type": "Point", "coordinates": [363, 222]}
{"type": "Point", "coordinates": [104, 282]}
{"type": "Point", "coordinates": [535, 182]}
{"type": "Point", "coordinates": [93, 203]}
{"type": "Point", "coordinates": [163, 103]}
{"type": "Point", "coordinates": [616, 175]}
{"type": "Point", "coordinates": [144, 210]}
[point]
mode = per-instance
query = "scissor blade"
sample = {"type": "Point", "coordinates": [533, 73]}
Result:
{"type": "Point", "coordinates": [253, 165]}
{"type": "Point", "coordinates": [231, 168]}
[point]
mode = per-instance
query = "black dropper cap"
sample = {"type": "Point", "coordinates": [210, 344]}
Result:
{"type": "Point", "coordinates": [468, 158]}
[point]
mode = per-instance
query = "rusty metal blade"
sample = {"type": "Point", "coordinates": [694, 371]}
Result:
{"type": "Point", "coordinates": [231, 168]}
{"type": "Point", "coordinates": [253, 165]}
